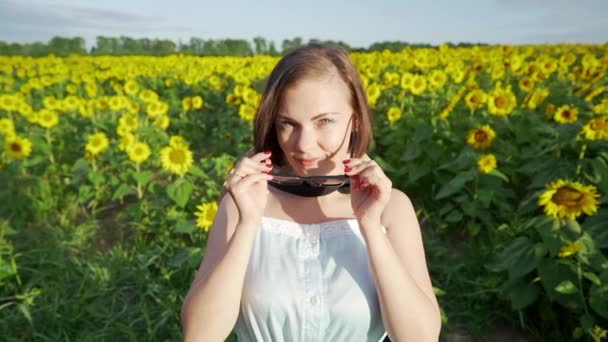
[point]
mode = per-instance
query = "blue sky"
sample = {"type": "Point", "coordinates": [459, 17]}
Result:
{"type": "Point", "coordinates": [358, 23]}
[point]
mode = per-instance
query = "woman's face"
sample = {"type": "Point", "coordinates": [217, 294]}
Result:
{"type": "Point", "coordinates": [313, 126]}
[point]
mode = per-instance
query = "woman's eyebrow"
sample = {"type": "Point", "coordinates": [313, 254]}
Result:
{"type": "Point", "coordinates": [283, 116]}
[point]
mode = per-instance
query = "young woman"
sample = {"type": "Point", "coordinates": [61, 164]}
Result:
{"type": "Point", "coordinates": [311, 242]}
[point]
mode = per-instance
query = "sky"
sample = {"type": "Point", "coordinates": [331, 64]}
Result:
{"type": "Point", "coordinates": [355, 22]}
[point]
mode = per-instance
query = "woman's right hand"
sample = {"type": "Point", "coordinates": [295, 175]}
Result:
{"type": "Point", "coordinates": [247, 183]}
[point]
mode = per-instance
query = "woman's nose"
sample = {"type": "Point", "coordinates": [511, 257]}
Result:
{"type": "Point", "coordinates": [305, 140]}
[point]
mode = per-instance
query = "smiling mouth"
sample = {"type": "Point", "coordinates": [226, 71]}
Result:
{"type": "Point", "coordinates": [308, 161]}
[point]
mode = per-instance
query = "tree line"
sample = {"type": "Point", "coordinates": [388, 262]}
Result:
{"type": "Point", "coordinates": [123, 45]}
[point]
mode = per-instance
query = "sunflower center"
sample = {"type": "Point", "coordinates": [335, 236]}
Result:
{"type": "Point", "coordinates": [475, 99]}
{"type": "Point", "coordinates": [566, 114]}
{"type": "Point", "coordinates": [95, 142]}
{"type": "Point", "coordinates": [177, 156]}
{"type": "Point", "coordinates": [481, 136]}
{"type": "Point", "coordinates": [500, 102]}
{"type": "Point", "coordinates": [16, 147]}
{"type": "Point", "coordinates": [568, 197]}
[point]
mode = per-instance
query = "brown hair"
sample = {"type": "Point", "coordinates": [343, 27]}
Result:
{"type": "Point", "coordinates": [308, 62]}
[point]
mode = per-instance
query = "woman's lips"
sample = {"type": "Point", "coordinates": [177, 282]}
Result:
{"type": "Point", "coordinates": [308, 162]}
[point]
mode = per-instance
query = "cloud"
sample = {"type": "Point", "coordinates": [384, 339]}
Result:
{"type": "Point", "coordinates": [35, 20]}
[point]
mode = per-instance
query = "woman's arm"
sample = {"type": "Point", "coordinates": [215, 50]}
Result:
{"type": "Point", "coordinates": [211, 307]}
{"type": "Point", "coordinates": [410, 311]}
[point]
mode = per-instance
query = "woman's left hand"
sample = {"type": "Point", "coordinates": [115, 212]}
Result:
{"type": "Point", "coordinates": [370, 188]}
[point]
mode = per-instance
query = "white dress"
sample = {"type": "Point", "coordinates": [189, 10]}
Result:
{"type": "Point", "coordinates": [309, 282]}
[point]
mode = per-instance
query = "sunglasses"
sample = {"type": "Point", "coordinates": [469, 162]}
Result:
{"type": "Point", "coordinates": [318, 181]}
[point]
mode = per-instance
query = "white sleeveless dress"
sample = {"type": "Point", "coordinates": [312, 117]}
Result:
{"type": "Point", "coordinates": [309, 282]}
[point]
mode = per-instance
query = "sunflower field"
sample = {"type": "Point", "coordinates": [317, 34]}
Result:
{"type": "Point", "coordinates": [111, 167]}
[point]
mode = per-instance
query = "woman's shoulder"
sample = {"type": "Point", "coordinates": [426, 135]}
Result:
{"type": "Point", "coordinates": [399, 206]}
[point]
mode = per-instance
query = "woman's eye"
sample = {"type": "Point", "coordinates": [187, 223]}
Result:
{"type": "Point", "coordinates": [283, 124]}
{"type": "Point", "coordinates": [326, 121]}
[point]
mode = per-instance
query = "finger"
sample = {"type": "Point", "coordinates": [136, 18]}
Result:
{"type": "Point", "coordinates": [252, 179]}
{"type": "Point", "coordinates": [373, 176]}
{"type": "Point", "coordinates": [357, 166]}
{"type": "Point", "coordinates": [259, 157]}
{"type": "Point", "coordinates": [249, 166]}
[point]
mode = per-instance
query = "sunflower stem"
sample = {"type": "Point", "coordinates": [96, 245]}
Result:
{"type": "Point", "coordinates": [140, 194]}
{"type": "Point", "coordinates": [580, 286]}
{"type": "Point", "coordinates": [581, 156]}
{"type": "Point", "coordinates": [49, 141]}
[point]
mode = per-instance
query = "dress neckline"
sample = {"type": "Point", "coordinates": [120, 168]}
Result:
{"type": "Point", "coordinates": [330, 222]}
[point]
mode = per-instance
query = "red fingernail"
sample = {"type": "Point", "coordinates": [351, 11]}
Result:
{"type": "Point", "coordinates": [347, 169]}
{"type": "Point", "coordinates": [267, 152]}
{"type": "Point", "coordinates": [266, 172]}
{"type": "Point", "coordinates": [346, 161]}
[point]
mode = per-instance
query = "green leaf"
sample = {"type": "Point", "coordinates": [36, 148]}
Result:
{"type": "Point", "coordinates": [122, 191]}
{"type": "Point", "coordinates": [518, 258]}
{"type": "Point", "coordinates": [142, 177]}
{"type": "Point", "coordinates": [587, 322]}
{"type": "Point", "coordinates": [96, 177]}
{"type": "Point", "coordinates": [454, 216]}
{"type": "Point", "coordinates": [85, 193]}
{"type": "Point", "coordinates": [566, 287]}
{"type": "Point", "coordinates": [412, 151]}
{"type": "Point", "coordinates": [179, 191]}
{"type": "Point", "coordinates": [454, 185]}
{"type": "Point", "coordinates": [499, 174]}
{"type": "Point", "coordinates": [555, 276]}
{"type": "Point", "coordinates": [592, 277]}
{"type": "Point", "coordinates": [197, 172]}
{"type": "Point", "coordinates": [598, 296]}
{"type": "Point", "coordinates": [573, 226]}
{"type": "Point", "coordinates": [523, 294]}
{"type": "Point", "coordinates": [185, 227]}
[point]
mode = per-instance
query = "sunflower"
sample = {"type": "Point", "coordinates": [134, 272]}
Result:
{"type": "Point", "coordinates": [97, 143]}
{"type": "Point", "coordinates": [569, 249]}
{"type": "Point", "coordinates": [139, 152]}
{"type": "Point", "coordinates": [178, 140]}
{"type": "Point", "coordinates": [501, 101]}
{"type": "Point", "coordinates": [481, 137]}
{"type": "Point", "coordinates": [596, 128]}
{"type": "Point", "coordinates": [205, 215]}
{"type": "Point", "coordinates": [186, 103]}
{"type": "Point", "coordinates": [48, 118]}
{"type": "Point", "coordinates": [593, 94]}
{"type": "Point", "coordinates": [486, 163]}
{"type": "Point", "coordinates": [131, 87]}
{"type": "Point", "coordinates": [18, 147]}
{"type": "Point", "coordinates": [406, 80]}
{"type": "Point", "coordinates": [126, 141]}
{"type": "Point", "coordinates": [566, 114]}
{"type": "Point", "coordinates": [7, 126]}
{"type": "Point", "coordinates": [176, 159]}
{"type": "Point", "coordinates": [246, 112]}
{"type": "Point", "coordinates": [148, 95]}
{"type": "Point", "coordinates": [537, 97]}
{"type": "Point", "coordinates": [129, 121]}
{"type": "Point", "coordinates": [373, 92]}
{"type": "Point", "coordinates": [233, 99]}
{"type": "Point", "coordinates": [565, 199]}
{"type": "Point", "coordinates": [602, 107]}
{"type": "Point", "coordinates": [475, 99]}
{"type": "Point", "coordinates": [162, 121]}
{"type": "Point", "coordinates": [197, 102]}
{"type": "Point", "coordinates": [394, 114]}
{"type": "Point", "coordinates": [437, 78]}
{"type": "Point", "coordinates": [418, 85]}
{"type": "Point", "coordinates": [526, 84]}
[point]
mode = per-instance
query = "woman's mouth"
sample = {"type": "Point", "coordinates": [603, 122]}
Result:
{"type": "Point", "coordinates": [308, 162]}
